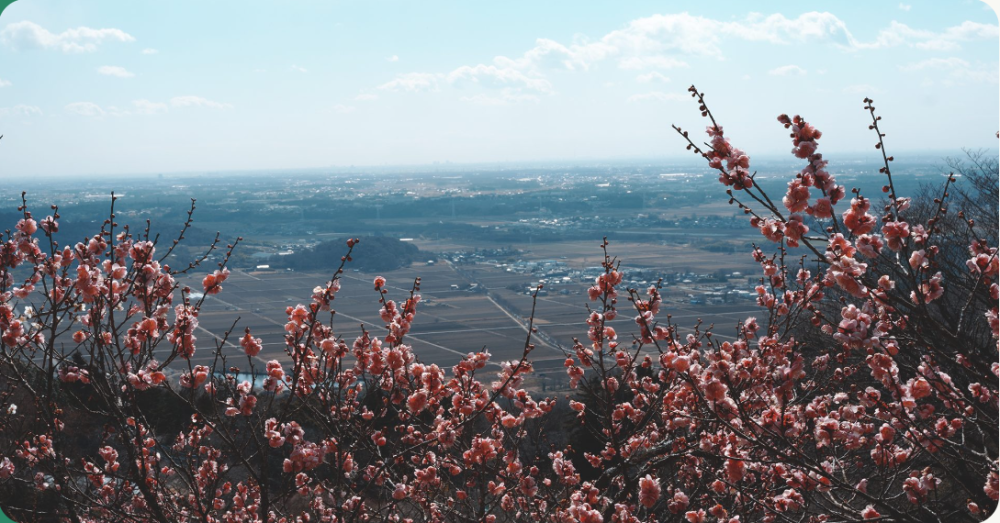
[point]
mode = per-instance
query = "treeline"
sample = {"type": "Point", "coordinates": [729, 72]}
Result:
{"type": "Point", "coordinates": [373, 253]}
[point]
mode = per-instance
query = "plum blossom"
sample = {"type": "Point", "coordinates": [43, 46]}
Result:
{"type": "Point", "coordinates": [649, 491]}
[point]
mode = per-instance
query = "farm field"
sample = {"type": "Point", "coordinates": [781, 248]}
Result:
{"type": "Point", "coordinates": [453, 320]}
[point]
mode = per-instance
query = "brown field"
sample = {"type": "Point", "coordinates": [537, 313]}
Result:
{"type": "Point", "coordinates": [451, 323]}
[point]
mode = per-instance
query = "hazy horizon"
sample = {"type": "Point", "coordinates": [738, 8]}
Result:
{"type": "Point", "coordinates": [680, 161]}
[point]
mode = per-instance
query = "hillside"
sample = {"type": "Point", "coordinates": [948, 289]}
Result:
{"type": "Point", "coordinates": [372, 254]}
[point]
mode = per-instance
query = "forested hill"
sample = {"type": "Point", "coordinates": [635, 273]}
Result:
{"type": "Point", "coordinates": [373, 253]}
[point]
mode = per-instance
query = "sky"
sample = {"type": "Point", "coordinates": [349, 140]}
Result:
{"type": "Point", "coordinates": [144, 87]}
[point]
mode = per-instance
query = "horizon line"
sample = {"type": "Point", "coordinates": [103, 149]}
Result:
{"type": "Point", "coordinates": [498, 165]}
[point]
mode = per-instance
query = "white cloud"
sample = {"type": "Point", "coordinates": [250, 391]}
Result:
{"type": "Point", "coordinates": [85, 109]}
{"type": "Point", "coordinates": [905, 7]}
{"type": "Point", "coordinates": [970, 31]}
{"type": "Point", "coordinates": [27, 110]}
{"type": "Point", "coordinates": [506, 97]}
{"type": "Point", "coordinates": [366, 97]}
{"type": "Point", "coordinates": [977, 75]}
{"type": "Point", "coordinates": [343, 109]}
{"type": "Point", "coordinates": [651, 62]}
{"type": "Point", "coordinates": [787, 70]}
{"type": "Point", "coordinates": [658, 96]}
{"type": "Point", "coordinates": [143, 107]}
{"type": "Point", "coordinates": [645, 43]}
{"type": "Point", "coordinates": [299, 69]}
{"type": "Point", "coordinates": [935, 63]}
{"type": "Point", "coordinates": [665, 41]}
{"type": "Point", "coordinates": [649, 41]}
{"type": "Point", "coordinates": [139, 107]}
{"type": "Point", "coordinates": [489, 76]}
{"type": "Point", "coordinates": [498, 76]}
{"type": "Point", "coordinates": [949, 39]}
{"type": "Point", "coordinates": [114, 111]}
{"type": "Point", "coordinates": [896, 34]}
{"type": "Point", "coordinates": [413, 82]}
{"type": "Point", "coordinates": [956, 71]}
{"type": "Point", "coordinates": [197, 101]}
{"type": "Point", "coordinates": [21, 110]}
{"type": "Point", "coordinates": [147, 107]}
{"type": "Point", "coordinates": [149, 50]}
{"type": "Point", "coordinates": [114, 70]}
{"type": "Point", "coordinates": [392, 58]}
{"type": "Point", "coordinates": [862, 89]}
{"type": "Point", "coordinates": [651, 76]}
{"type": "Point", "coordinates": [483, 99]}
{"type": "Point", "coordinates": [30, 35]}
{"type": "Point", "coordinates": [4, 83]}
{"type": "Point", "coordinates": [549, 54]}
{"type": "Point", "coordinates": [654, 42]}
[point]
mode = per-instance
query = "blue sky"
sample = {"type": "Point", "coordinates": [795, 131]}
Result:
{"type": "Point", "coordinates": [137, 86]}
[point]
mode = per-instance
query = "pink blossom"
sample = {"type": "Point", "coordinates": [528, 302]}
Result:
{"type": "Point", "coordinates": [869, 245]}
{"type": "Point", "coordinates": [194, 378]}
{"type": "Point", "coordinates": [251, 346]}
{"type": "Point", "coordinates": [695, 516]}
{"type": "Point", "coordinates": [678, 502]}
{"type": "Point", "coordinates": [27, 226]}
{"type": "Point", "coordinates": [856, 219]}
{"type": "Point", "coordinates": [992, 488]}
{"type": "Point", "coordinates": [212, 283]}
{"type": "Point", "coordinates": [895, 234]}
{"type": "Point", "coordinates": [649, 491]}
{"type": "Point", "coordinates": [918, 259]}
{"type": "Point", "coordinates": [797, 197]}
{"type": "Point", "coordinates": [822, 209]}
{"type": "Point", "coordinates": [417, 401]}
